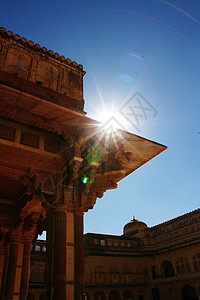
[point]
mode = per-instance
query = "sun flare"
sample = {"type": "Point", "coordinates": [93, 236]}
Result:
{"type": "Point", "coordinates": [111, 120]}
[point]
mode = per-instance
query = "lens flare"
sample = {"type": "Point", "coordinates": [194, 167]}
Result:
{"type": "Point", "coordinates": [85, 179]}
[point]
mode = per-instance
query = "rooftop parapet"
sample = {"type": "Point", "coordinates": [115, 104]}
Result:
{"type": "Point", "coordinates": [29, 61]}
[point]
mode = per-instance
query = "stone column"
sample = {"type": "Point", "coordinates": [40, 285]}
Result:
{"type": "Point", "coordinates": [25, 271]}
{"type": "Point", "coordinates": [15, 269]}
{"type": "Point", "coordinates": [49, 256]}
{"type": "Point", "coordinates": [79, 256]}
{"type": "Point", "coordinates": [59, 271]}
{"type": "Point", "coordinates": [2, 258]}
{"type": "Point", "coordinates": [4, 267]}
{"type": "Point", "coordinates": [11, 273]}
{"type": "Point", "coordinates": [59, 265]}
{"type": "Point", "coordinates": [70, 256]}
{"type": "Point", "coordinates": [20, 247]}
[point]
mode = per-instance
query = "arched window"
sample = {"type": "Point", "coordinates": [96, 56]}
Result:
{"type": "Point", "coordinates": [128, 295]}
{"type": "Point", "coordinates": [189, 293]}
{"type": "Point", "coordinates": [99, 296]}
{"type": "Point", "coordinates": [114, 295]}
{"type": "Point", "coordinates": [167, 269]}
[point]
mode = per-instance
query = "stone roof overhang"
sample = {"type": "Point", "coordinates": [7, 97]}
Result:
{"type": "Point", "coordinates": [26, 108]}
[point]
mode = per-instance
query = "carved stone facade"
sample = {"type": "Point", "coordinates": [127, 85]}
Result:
{"type": "Point", "coordinates": [161, 262]}
{"type": "Point", "coordinates": [47, 147]}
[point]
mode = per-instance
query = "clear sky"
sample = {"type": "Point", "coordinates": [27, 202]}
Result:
{"type": "Point", "coordinates": [146, 46]}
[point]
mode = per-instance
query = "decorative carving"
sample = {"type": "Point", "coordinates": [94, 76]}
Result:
{"type": "Point", "coordinates": [30, 223]}
{"type": "Point", "coordinates": [33, 206]}
{"type": "Point", "coordinates": [103, 163]}
{"type": "Point", "coordinates": [39, 181]}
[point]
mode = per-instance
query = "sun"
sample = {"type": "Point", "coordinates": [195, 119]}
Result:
{"type": "Point", "coordinates": [111, 119]}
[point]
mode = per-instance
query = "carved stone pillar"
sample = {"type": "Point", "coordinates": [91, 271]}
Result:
{"type": "Point", "coordinates": [18, 268]}
{"type": "Point", "coordinates": [59, 267]}
{"type": "Point", "coordinates": [22, 231]}
{"type": "Point", "coordinates": [11, 273]}
{"type": "Point", "coordinates": [59, 271]}
{"type": "Point", "coordinates": [65, 243]}
{"type": "Point", "coordinates": [48, 278]}
{"type": "Point", "coordinates": [4, 257]}
{"type": "Point", "coordinates": [79, 257]}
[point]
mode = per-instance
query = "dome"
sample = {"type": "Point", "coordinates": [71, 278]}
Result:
{"type": "Point", "coordinates": [134, 227]}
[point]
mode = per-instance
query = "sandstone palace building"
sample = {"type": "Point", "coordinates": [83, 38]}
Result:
{"type": "Point", "coordinates": [55, 162]}
{"type": "Point", "coordinates": [161, 262]}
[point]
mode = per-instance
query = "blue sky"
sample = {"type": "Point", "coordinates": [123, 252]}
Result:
{"type": "Point", "coordinates": [150, 47]}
